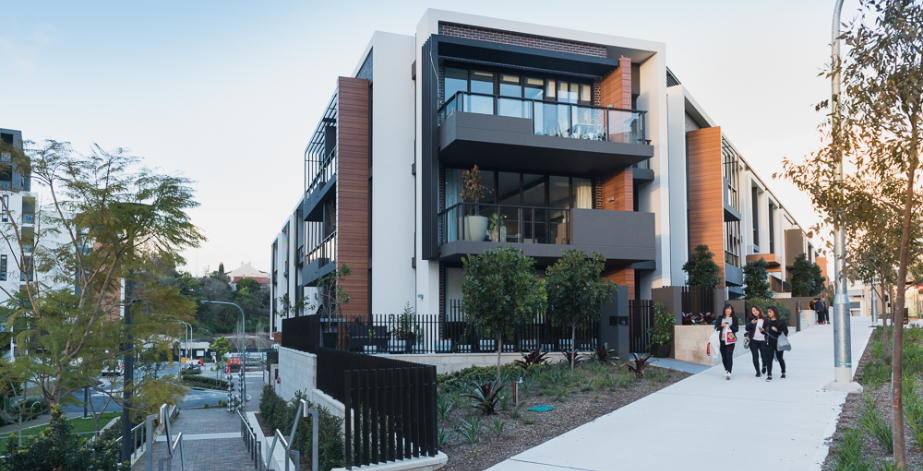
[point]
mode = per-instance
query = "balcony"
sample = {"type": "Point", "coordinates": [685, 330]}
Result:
{"type": "Point", "coordinates": [550, 136]}
{"type": "Point", "coordinates": [321, 260]}
{"type": "Point", "coordinates": [770, 258]}
{"type": "Point", "coordinates": [28, 218]}
{"type": "Point", "coordinates": [320, 188]}
{"type": "Point", "coordinates": [620, 236]}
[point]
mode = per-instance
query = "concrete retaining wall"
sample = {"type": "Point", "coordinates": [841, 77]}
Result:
{"type": "Point", "coordinates": [452, 362]}
{"type": "Point", "coordinates": [690, 342]}
{"type": "Point", "coordinates": [297, 372]}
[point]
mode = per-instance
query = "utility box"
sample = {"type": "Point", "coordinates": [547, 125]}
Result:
{"type": "Point", "coordinates": [613, 324]}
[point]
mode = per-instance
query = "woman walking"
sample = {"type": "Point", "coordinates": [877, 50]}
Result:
{"type": "Point", "coordinates": [727, 327]}
{"type": "Point", "coordinates": [774, 328]}
{"type": "Point", "coordinates": [756, 325]}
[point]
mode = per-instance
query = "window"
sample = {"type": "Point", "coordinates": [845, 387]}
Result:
{"type": "Point", "coordinates": [5, 217]}
{"type": "Point", "coordinates": [2, 267]}
{"type": "Point", "coordinates": [456, 80]}
{"type": "Point", "coordinates": [772, 235]}
{"type": "Point", "coordinates": [755, 197]}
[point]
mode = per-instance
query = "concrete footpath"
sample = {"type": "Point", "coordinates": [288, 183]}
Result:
{"type": "Point", "coordinates": [708, 423]}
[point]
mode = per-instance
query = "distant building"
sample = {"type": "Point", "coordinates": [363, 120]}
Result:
{"type": "Point", "coordinates": [247, 271]}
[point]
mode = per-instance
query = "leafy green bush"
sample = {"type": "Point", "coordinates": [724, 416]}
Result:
{"type": "Point", "coordinates": [279, 414]}
{"type": "Point", "coordinates": [193, 380]}
{"type": "Point", "coordinates": [58, 448]}
{"type": "Point", "coordinates": [764, 304]}
{"type": "Point", "coordinates": [848, 453]}
{"type": "Point", "coordinates": [479, 374]}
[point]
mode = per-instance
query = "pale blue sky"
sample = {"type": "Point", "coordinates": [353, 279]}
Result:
{"type": "Point", "coordinates": [228, 93]}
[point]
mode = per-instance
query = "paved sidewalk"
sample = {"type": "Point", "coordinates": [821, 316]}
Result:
{"type": "Point", "coordinates": [708, 423]}
{"type": "Point", "coordinates": [211, 438]}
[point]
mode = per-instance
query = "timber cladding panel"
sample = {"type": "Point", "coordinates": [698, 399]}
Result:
{"type": "Point", "coordinates": [706, 201]}
{"type": "Point", "coordinates": [624, 276]}
{"type": "Point", "coordinates": [353, 192]}
{"type": "Point", "coordinates": [615, 88]}
{"type": "Point", "coordinates": [618, 186]}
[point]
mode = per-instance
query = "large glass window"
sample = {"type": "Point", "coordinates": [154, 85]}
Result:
{"type": "Point", "coordinates": [456, 80]}
{"type": "Point", "coordinates": [508, 189]}
{"type": "Point", "coordinates": [514, 106]}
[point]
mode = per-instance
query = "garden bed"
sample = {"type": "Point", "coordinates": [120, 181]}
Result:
{"type": "Point", "coordinates": [855, 442]}
{"type": "Point", "coordinates": [472, 441]}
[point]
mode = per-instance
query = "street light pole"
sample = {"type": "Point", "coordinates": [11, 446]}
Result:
{"type": "Point", "coordinates": [188, 341]}
{"type": "Point", "coordinates": [129, 369]}
{"type": "Point", "coordinates": [243, 333]}
{"type": "Point", "coordinates": [842, 345]}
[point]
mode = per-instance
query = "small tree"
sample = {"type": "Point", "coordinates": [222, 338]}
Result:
{"type": "Point", "coordinates": [756, 279]}
{"type": "Point", "coordinates": [60, 449]}
{"type": "Point", "coordinates": [501, 291]}
{"type": "Point", "coordinates": [220, 346]}
{"type": "Point", "coordinates": [819, 279]}
{"type": "Point", "coordinates": [576, 291]}
{"type": "Point", "coordinates": [330, 292]}
{"type": "Point", "coordinates": [803, 281]}
{"type": "Point", "coordinates": [702, 269]}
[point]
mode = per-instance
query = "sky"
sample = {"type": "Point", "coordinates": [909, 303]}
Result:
{"type": "Point", "coordinates": [228, 93]}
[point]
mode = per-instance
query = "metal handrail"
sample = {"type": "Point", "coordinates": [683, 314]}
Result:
{"type": "Point", "coordinates": [302, 411]}
{"type": "Point", "coordinates": [322, 171]}
{"type": "Point", "coordinates": [497, 205]}
{"type": "Point", "coordinates": [165, 419]}
{"type": "Point", "coordinates": [546, 102]}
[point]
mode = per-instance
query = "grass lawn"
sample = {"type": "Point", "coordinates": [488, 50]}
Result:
{"type": "Point", "coordinates": [80, 425]}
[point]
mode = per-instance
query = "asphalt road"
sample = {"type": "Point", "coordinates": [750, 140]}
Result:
{"type": "Point", "coordinates": [194, 399]}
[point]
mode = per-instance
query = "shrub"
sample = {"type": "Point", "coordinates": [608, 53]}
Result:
{"type": "Point", "coordinates": [279, 414]}
{"type": "Point", "coordinates": [875, 424]}
{"type": "Point", "coordinates": [535, 357]}
{"type": "Point", "coordinates": [194, 380]}
{"type": "Point", "coordinates": [485, 396]}
{"type": "Point", "coordinates": [640, 363]}
{"type": "Point", "coordinates": [464, 377]}
{"type": "Point", "coordinates": [60, 449]}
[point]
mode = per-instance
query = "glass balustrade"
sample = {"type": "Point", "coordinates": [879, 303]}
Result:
{"type": "Point", "coordinates": [554, 119]}
{"type": "Point", "coordinates": [504, 223]}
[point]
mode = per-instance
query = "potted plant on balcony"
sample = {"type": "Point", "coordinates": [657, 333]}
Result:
{"type": "Point", "coordinates": [404, 330]}
{"type": "Point", "coordinates": [662, 332]}
{"type": "Point", "coordinates": [475, 225]}
{"type": "Point", "coordinates": [497, 227]}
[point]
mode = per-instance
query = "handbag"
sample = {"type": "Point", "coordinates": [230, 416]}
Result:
{"type": "Point", "coordinates": [746, 342]}
{"type": "Point", "coordinates": [782, 344]}
{"type": "Point", "coordinates": [712, 348]}
{"type": "Point", "coordinates": [731, 338]}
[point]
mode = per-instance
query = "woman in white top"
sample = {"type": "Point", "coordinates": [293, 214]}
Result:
{"type": "Point", "coordinates": [727, 327]}
{"type": "Point", "coordinates": [756, 332]}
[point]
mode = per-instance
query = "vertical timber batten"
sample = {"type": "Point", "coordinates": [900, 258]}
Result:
{"type": "Point", "coordinates": [706, 187]}
{"type": "Point", "coordinates": [353, 192]}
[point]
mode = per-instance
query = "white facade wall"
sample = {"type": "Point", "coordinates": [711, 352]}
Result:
{"type": "Point", "coordinates": [392, 178]}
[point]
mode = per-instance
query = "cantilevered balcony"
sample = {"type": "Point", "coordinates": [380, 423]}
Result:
{"type": "Point", "coordinates": [546, 136]}
{"type": "Point", "coordinates": [620, 236]}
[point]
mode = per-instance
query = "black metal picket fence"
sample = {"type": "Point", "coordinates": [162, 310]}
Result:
{"type": "Point", "coordinates": [640, 320]}
{"type": "Point", "coordinates": [390, 405]}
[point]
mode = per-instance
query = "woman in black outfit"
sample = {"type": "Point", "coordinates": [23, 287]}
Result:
{"type": "Point", "coordinates": [725, 325]}
{"type": "Point", "coordinates": [756, 325]}
{"type": "Point", "coordinates": [775, 327]}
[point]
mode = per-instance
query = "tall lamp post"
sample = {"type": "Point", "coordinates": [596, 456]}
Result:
{"type": "Point", "coordinates": [189, 329]}
{"type": "Point", "coordinates": [243, 331]}
{"type": "Point", "coordinates": [842, 345]}
{"type": "Point", "coordinates": [129, 372]}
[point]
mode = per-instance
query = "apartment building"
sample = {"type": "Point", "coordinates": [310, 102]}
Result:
{"type": "Point", "coordinates": [583, 140]}
{"type": "Point", "coordinates": [17, 195]}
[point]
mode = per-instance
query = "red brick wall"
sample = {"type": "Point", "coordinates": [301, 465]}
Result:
{"type": "Point", "coordinates": [516, 39]}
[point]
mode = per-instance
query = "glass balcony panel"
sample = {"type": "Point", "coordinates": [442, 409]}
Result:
{"type": "Point", "coordinates": [589, 123]}
{"type": "Point", "coordinates": [540, 223]}
{"type": "Point", "coordinates": [626, 127]}
{"type": "Point", "coordinates": [557, 232]}
{"type": "Point", "coordinates": [512, 218]}
{"type": "Point", "coordinates": [552, 119]}
{"type": "Point", "coordinates": [479, 104]}
{"type": "Point", "coordinates": [514, 108]}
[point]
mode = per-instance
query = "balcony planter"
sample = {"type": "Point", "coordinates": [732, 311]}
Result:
{"type": "Point", "coordinates": [475, 228]}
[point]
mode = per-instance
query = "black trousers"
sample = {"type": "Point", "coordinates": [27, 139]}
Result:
{"type": "Point", "coordinates": [826, 315]}
{"type": "Point", "coordinates": [773, 353]}
{"type": "Point", "coordinates": [756, 349]}
{"type": "Point", "coordinates": [820, 316]}
{"type": "Point", "coordinates": [727, 356]}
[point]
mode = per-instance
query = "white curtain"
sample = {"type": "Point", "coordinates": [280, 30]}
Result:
{"type": "Point", "coordinates": [583, 189]}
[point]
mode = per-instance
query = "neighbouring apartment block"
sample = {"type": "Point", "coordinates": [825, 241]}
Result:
{"type": "Point", "coordinates": [583, 140]}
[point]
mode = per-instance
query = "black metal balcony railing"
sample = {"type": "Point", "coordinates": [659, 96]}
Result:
{"type": "Point", "coordinates": [325, 252]}
{"type": "Point", "coordinates": [504, 223]}
{"type": "Point", "coordinates": [551, 118]}
{"type": "Point", "coordinates": [327, 170]}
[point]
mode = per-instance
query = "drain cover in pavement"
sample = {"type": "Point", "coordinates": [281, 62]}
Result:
{"type": "Point", "coordinates": [542, 408]}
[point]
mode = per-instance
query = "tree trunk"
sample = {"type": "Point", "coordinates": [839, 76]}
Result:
{"type": "Point", "coordinates": [897, 366]}
{"type": "Point", "coordinates": [499, 349]}
{"type": "Point", "coordinates": [885, 340]}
